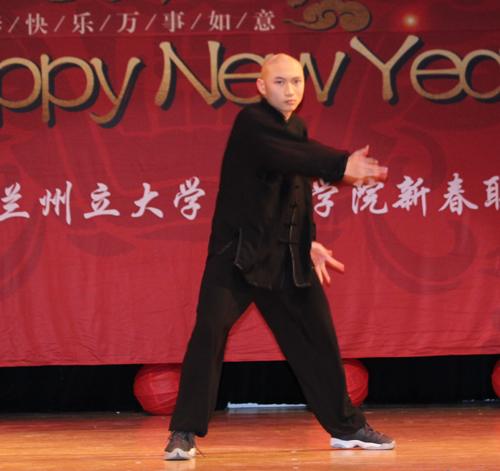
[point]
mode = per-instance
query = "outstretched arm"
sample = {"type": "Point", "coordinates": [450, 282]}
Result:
{"type": "Point", "coordinates": [322, 259]}
{"type": "Point", "coordinates": [361, 167]}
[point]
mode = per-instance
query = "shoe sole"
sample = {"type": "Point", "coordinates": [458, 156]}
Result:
{"type": "Point", "coordinates": [348, 444]}
{"type": "Point", "coordinates": [179, 455]}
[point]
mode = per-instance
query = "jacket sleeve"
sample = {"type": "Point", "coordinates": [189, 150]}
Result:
{"type": "Point", "coordinates": [276, 149]}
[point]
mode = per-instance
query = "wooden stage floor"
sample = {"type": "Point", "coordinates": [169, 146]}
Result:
{"type": "Point", "coordinates": [428, 438]}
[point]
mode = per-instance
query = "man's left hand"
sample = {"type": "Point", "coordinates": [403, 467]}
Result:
{"type": "Point", "coordinates": [322, 259]}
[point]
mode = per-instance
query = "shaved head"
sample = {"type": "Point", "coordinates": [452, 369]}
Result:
{"type": "Point", "coordinates": [281, 82]}
{"type": "Point", "coordinates": [279, 60]}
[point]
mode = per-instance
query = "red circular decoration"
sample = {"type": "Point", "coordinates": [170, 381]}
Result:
{"type": "Point", "coordinates": [495, 378]}
{"type": "Point", "coordinates": [156, 387]}
{"type": "Point", "coordinates": [357, 380]}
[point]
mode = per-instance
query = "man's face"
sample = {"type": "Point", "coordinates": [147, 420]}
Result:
{"type": "Point", "coordinates": [282, 83]}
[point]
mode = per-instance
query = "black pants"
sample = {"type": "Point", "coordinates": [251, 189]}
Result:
{"type": "Point", "coordinates": [301, 322]}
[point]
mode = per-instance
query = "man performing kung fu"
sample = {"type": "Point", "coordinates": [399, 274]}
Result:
{"type": "Point", "coordinates": [262, 250]}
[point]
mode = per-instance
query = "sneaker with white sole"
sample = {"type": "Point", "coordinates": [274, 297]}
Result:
{"type": "Point", "coordinates": [365, 438]}
{"type": "Point", "coordinates": [181, 446]}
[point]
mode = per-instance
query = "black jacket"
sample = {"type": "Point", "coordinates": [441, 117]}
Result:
{"type": "Point", "coordinates": [265, 172]}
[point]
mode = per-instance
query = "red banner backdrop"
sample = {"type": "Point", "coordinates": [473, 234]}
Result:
{"type": "Point", "coordinates": [114, 118]}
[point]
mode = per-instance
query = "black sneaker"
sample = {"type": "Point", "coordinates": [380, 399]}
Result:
{"type": "Point", "coordinates": [181, 446]}
{"type": "Point", "coordinates": [365, 438]}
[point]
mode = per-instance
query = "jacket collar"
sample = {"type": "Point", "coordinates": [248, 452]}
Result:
{"type": "Point", "coordinates": [272, 110]}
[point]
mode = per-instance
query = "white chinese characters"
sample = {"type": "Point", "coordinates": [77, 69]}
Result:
{"type": "Point", "coordinates": [100, 203]}
{"type": "Point", "coordinates": [143, 202]}
{"type": "Point", "coordinates": [82, 23]}
{"type": "Point", "coordinates": [365, 197]}
{"type": "Point", "coordinates": [492, 193]}
{"type": "Point", "coordinates": [57, 199]}
{"type": "Point", "coordinates": [190, 194]}
{"type": "Point", "coordinates": [411, 192]}
{"type": "Point", "coordinates": [264, 21]}
{"type": "Point", "coordinates": [454, 198]}
{"type": "Point", "coordinates": [173, 21]}
{"type": "Point", "coordinates": [127, 23]}
{"type": "Point", "coordinates": [367, 194]}
{"type": "Point", "coordinates": [324, 191]}
{"type": "Point", "coordinates": [12, 195]}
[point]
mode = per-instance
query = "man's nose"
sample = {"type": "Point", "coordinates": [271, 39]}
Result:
{"type": "Point", "coordinates": [288, 89]}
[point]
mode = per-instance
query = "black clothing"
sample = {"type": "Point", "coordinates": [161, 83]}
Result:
{"type": "Point", "coordinates": [259, 252]}
{"type": "Point", "coordinates": [266, 169]}
{"type": "Point", "coordinates": [300, 320]}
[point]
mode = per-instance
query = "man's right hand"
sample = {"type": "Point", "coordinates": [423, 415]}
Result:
{"type": "Point", "coordinates": [361, 168]}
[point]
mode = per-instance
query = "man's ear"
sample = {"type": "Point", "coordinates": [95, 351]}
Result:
{"type": "Point", "coordinates": [261, 86]}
